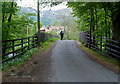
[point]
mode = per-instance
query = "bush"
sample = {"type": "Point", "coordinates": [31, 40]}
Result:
{"type": "Point", "coordinates": [18, 60]}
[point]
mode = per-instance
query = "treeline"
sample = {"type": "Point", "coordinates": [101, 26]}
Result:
{"type": "Point", "coordinates": [99, 18]}
{"type": "Point", "coordinates": [14, 24]}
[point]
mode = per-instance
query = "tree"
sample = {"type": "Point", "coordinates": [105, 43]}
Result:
{"type": "Point", "coordinates": [14, 25]}
{"type": "Point", "coordinates": [99, 16]}
{"type": "Point", "coordinates": [38, 15]}
{"type": "Point", "coordinates": [114, 8]}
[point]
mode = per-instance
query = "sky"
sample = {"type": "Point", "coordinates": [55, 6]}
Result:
{"type": "Point", "coordinates": [33, 4]}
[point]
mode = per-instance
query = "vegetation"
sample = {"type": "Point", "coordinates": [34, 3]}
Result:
{"type": "Point", "coordinates": [100, 18]}
{"type": "Point", "coordinates": [45, 45]}
{"type": "Point", "coordinates": [54, 17]}
{"type": "Point", "coordinates": [25, 57]}
{"type": "Point", "coordinates": [16, 25]}
{"type": "Point", "coordinates": [18, 60]}
{"type": "Point", "coordinates": [107, 61]}
{"type": "Point", "coordinates": [70, 30]}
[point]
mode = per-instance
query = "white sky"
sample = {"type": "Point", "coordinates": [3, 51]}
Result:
{"type": "Point", "coordinates": [33, 4]}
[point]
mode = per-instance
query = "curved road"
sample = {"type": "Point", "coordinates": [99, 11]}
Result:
{"type": "Point", "coordinates": [72, 65]}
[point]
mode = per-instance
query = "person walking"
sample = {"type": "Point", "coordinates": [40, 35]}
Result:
{"type": "Point", "coordinates": [61, 34]}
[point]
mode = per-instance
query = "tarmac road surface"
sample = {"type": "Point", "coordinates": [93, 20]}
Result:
{"type": "Point", "coordinates": [73, 65]}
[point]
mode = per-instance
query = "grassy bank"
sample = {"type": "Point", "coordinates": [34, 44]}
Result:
{"type": "Point", "coordinates": [26, 56]}
{"type": "Point", "coordinates": [108, 62]}
{"type": "Point", "coordinates": [18, 60]}
{"type": "Point", "coordinates": [45, 45]}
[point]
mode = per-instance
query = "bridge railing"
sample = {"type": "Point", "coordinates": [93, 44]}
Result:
{"type": "Point", "coordinates": [17, 47]}
{"type": "Point", "coordinates": [105, 46]}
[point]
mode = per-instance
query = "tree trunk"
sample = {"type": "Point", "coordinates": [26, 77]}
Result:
{"type": "Point", "coordinates": [116, 27]}
{"type": "Point", "coordinates": [106, 31]}
{"type": "Point", "coordinates": [96, 19]}
{"type": "Point", "coordinates": [10, 17]}
{"type": "Point", "coordinates": [116, 31]}
{"type": "Point", "coordinates": [92, 27]}
{"type": "Point", "coordinates": [109, 33]}
{"type": "Point", "coordinates": [38, 15]}
{"type": "Point", "coordinates": [3, 17]}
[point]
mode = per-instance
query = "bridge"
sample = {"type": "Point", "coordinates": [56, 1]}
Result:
{"type": "Point", "coordinates": [65, 61]}
{"type": "Point", "coordinates": [92, 57]}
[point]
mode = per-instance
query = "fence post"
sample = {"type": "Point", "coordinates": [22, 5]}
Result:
{"type": "Point", "coordinates": [13, 48]}
{"type": "Point", "coordinates": [28, 43]}
{"type": "Point", "coordinates": [105, 45]}
{"type": "Point", "coordinates": [101, 44]}
{"type": "Point", "coordinates": [118, 50]}
{"type": "Point", "coordinates": [22, 45]}
{"type": "Point", "coordinates": [33, 42]}
{"type": "Point", "coordinates": [37, 40]}
{"type": "Point", "coordinates": [87, 39]}
{"type": "Point", "coordinates": [90, 40]}
{"type": "Point", "coordinates": [94, 44]}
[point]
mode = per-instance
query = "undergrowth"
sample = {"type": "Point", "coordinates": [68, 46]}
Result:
{"type": "Point", "coordinates": [18, 60]}
{"type": "Point", "coordinates": [26, 56]}
{"type": "Point", "coordinates": [45, 45]}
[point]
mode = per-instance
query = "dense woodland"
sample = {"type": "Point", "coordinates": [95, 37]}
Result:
{"type": "Point", "coordinates": [101, 18]}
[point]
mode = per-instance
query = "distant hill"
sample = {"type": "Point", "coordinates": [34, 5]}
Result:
{"type": "Point", "coordinates": [27, 10]}
{"type": "Point", "coordinates": [48, 17]}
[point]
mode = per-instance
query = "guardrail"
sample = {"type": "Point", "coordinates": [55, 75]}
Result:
{"type": "Point", "coordinates": [105, 46]}
{"type": "Point", "coordinates": [17, 47]}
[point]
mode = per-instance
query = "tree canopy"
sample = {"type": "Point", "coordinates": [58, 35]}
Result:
{"type": "Point", "coordinates": [97, 17]}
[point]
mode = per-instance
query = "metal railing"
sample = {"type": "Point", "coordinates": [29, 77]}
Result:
{"type": "Point", "coordinates": [105, 46]}
{"type": "Point", "coordinates": [17, 47]}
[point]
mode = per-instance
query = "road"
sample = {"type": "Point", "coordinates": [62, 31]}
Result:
{"type": "Point", "coordinates": [62, 62]}
{"type": "Point", "coordinates": [73, 65]}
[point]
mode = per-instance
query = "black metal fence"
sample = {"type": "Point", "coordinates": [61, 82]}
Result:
{"type": "Point", "coordinates": [105, 46]}
{"type": "Point", "coordinates": [17, 47]}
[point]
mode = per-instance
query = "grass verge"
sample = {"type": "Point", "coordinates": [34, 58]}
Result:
{"type": "Point", "coordinates": [45, 45]}
{"type": "Point", "coordinates": [26, 56]}
{"type": "Point", "coordinates": [18, 60]}
{"type": "Point", "coordinates": [108, 62]}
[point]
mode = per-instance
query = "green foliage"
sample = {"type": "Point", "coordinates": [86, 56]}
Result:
{"type": "Point", "coordinates": [26, 56]}
{"type": "Point", "coordinates": [97, 55]}
{"type": "Point", "coordinates": [18, 60]}
{"type": "Point", "coordinates": [52, 39]}
{"type": "Point", "coordinates": [7, 8]}
{"type": "Point", "coordinates": [41, 24]}
{"type": "Point", "coordinates": [14, 25]}
{"type": "Point", "coordinates": [82, 11]}
{"type": "Point", "coordinates": [70, 30]}
{"type": "Point", "coordinates": [97, 17]}
{"type": "Point", "coordinates": [45, 45]}
{"type": "Point", "coordinates": [56, 24]}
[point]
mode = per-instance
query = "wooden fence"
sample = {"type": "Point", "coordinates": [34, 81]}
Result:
{"type": "Point", "coordinates": [17, 47]}
{"type": "Point", "coordinates": [105, 46]}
